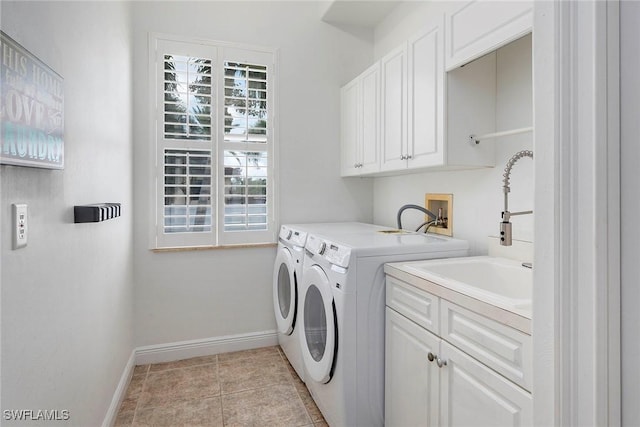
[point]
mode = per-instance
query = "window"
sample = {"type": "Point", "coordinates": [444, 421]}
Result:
{"type": "Point", "coordinates": [213, 114]}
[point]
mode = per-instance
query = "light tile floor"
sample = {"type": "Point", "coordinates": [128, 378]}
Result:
{"type": "Point", "coordinates": [245, 388]}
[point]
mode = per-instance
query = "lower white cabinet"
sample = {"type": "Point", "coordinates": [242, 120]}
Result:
{"type": "Point", "coordinates": [412, 383]}
{"type": "Point", "coordinates": [430, 382]}
{"type": "Point", "coordinates": [473, 395]}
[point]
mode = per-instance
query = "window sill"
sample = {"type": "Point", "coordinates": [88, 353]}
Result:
{"type": "Point", "coordinates": [209, 248]}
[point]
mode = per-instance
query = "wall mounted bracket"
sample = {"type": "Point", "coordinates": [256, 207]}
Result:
{"type": "Point", "coordinates": [96, 213]}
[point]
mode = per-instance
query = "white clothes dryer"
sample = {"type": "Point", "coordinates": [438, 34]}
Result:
{"type": "Point", "coordinates": [342, 316]}
{"type": "Point", "coordinates": [287, 275]}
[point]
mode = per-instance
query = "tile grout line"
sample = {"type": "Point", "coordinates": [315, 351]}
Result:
{"type": "Point", "coordinates": [144, 383]}
{"type": "Point", "coordinates": [220, 390]}
{"type": "Point", "coordinates": [292, 381]}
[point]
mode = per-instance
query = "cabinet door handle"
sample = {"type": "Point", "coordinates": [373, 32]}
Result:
{"type": "Point", "coordinates": [441, 362]}
{"type": "Point", "coordinates": [403, 157]}
{"type": "Point", "coordinates": [431, 357]}
{"type": "Point", "coordinates": [409, 157]}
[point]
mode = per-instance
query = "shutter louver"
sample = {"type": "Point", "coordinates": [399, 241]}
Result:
{"type": "Point", "coordinates": [187, 191]}
{"type": "Point", "coordinates": [245, 191]}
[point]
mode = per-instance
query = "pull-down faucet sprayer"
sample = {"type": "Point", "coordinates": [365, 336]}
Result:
{"type": "Point", "coordinates": [505, 225]}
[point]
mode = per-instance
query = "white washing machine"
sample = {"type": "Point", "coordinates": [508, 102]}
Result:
{"type": "Point", "coordinates": [342, 316]}
{"type": "Point", "coordinates": [287, 274]}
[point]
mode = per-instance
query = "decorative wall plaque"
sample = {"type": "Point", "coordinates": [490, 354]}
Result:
{"type": "Point", "coordinates": [31, 109]}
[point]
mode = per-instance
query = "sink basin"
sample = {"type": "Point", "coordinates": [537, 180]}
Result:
{"type": "Point", "coordinates": [498, 281]}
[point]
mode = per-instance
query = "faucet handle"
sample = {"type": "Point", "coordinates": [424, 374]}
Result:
{"type": "Point", "coordinates": [505, 233]}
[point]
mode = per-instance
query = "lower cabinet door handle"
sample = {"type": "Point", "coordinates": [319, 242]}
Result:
{"type": "Point", "coordinates": [431, 357]}
{"type": "Point", "coordinates": [441, 362]}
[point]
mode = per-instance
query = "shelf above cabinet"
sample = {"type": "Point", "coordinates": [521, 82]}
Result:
{"type": "Point", "coordinates": [473, 139]}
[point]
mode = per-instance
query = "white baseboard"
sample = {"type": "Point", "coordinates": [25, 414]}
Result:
{"type": "Point", "coordinates": [204, 347]}
{"type": "Point", "coordinates": [120, 392]}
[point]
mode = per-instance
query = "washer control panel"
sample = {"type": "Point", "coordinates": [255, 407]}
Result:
{"type": "Point", "coordinates": [293, 237]}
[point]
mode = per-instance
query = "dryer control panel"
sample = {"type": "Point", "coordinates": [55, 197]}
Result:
{"type": "Point", "coordinates": [331, 252]}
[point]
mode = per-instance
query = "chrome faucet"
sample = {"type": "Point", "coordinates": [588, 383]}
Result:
{"type": "Point", "coordinates": [505, 225]}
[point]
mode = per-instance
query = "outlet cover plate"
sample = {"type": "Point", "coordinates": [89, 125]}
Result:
{"type": "Point", "coordinates": [20, 225]}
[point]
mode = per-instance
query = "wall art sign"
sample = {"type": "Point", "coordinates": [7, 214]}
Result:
{"type": "Point", "coordinates": [31, 109]}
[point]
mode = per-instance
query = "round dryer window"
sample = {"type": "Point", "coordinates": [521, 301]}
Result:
{"type": "Point", "coordinates": [315, 323]}
{"type": "Point", "coordinates": [284, 290]}
{"type": "Point", "coordinates": [319, 325]}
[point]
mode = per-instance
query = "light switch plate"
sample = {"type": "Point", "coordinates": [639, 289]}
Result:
{"type": "Point", "coordinates": [20, 225]}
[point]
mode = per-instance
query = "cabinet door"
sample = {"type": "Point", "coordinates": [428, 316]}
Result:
{"type": "Point", "coordinates": [481, 26]}
{"type": "Point", "coordinates": [474, 395]}
{"type": "Point", "coordinates": [426, 97]}
{"type": "Point", "coordinates": [370, 125]}
{"type": "Point", "coordinates": [394, 110]}
{"type": "Point", "coordinates": [411, 381]}
{"type": "Point", "coordinates": [349, 124]}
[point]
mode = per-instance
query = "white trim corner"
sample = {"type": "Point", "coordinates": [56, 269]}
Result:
{"type": "Point", "coordinates": [120, 392]}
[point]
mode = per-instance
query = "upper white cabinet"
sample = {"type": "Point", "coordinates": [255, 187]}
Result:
{"type": "Point", "coordinates": [407, 113]}
{"type": "Point", "coordinates": [360, 121]}
{"type": "Point", "coordinates": [394, 109]}
{"type": "Point", "coordinates": [412, 79]}
{"type": "Point", "coordinates": [481, 26]}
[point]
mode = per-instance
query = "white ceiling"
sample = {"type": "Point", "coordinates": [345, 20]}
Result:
{"type": "Point", "coordinates": [360, 13]}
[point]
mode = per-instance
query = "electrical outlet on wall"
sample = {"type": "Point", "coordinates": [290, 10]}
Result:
{"type": "Point", "coordinates": [20, 225]}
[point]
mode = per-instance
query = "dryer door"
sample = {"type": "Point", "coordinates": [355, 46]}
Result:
{"type": "Point", "coordinates": [285, 291]}
{"type": "Point", "coordinates": [318, 325]}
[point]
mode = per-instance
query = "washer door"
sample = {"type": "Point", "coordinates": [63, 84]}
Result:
{"type": "Point", "coordinates": [285, 291]}
{"type": "Point", "coordinates": [318, 325]}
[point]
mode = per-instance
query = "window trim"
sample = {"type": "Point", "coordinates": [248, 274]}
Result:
{"type": "Point", "coordinates": [217, 238]}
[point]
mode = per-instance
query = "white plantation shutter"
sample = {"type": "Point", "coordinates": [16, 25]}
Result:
{"type": "Point", "coordinates": [245, 101]}
{"type": "Point", "coordinates": [214, 143]}
{"type": "Point", "coordinates": [187, 97]}
{"type": "Point", "coordinates": [247, 148]}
